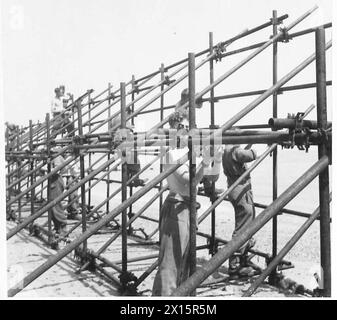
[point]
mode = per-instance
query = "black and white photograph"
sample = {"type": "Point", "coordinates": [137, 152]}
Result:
{"type": "Point", "coordinates": [159, 149]}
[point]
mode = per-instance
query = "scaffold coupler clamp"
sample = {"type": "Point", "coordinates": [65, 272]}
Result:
{"type": "Point", "coordinates": [299, 128]}
{"type": "Point", "coordinates": [306, 144]}
{"type": "Point", "coordinates": [128, 281]}
{"type": "Point", "coordinates": [213, 246]}
{"type": "Point", "coordinates": [276, 21]}
{"type": "Point", "coordinates": [285, 35]}
{"type": "Point", "coordinates": [77, 140]}
{"type": "Point", "coordinates": [219, 49]}
{"type": "Point", "coordinates": [86, 258]}
{"type": "Point", "coordinates": [324, 138]}
{"type": "Point", "coordinates": [167, 81]}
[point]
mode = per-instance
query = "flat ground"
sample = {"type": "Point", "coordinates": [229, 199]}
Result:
{"type": "Point", "coordinates": [25, 253]}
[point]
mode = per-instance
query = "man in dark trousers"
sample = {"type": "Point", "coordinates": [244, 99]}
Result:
{"type": "Point", "coordinates": [173, 266]}
{"type": "Point", "coordinates": [234, 161]}
{"type": "Point", "coordinates": [56, 188]}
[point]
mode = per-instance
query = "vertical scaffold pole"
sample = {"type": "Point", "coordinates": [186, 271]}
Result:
{"type": "Point", "coordinates": [8, 148]}
{"type": "Point", "coordinates": [162, 87]}
{"type": "Point", "coordinates": [325, 243]}
{"type": "Point", "coordinates": [211, 80]}
{"type": "Point", "coordinates": [32, 193]}
{"type": "Point", "coordinates": [192, 165]}
{"type": "Point", "coordinates": [124, 191]}
{"type": "Point", "coordinates": [132, 123]}
{"type": "Point", "coordinates": [82, 173]}
{"type": "Point", "coordinates": [134, 86]}
{"type": "Point", "coordinates": [49, 179]}
{"type": "Point", "coordinates": [275, 183]}
{"type": "Point", "coordinates": [109, 155]}
{"type": "Point", "coordinates": [90, 155]}
{"type": "Point", "coordinates": [18, 163]}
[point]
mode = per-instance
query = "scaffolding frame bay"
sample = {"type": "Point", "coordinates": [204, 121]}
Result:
{"type": "Point", "coordinates": [92, 145]}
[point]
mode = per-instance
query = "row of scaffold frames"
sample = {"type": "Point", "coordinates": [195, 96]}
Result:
{"type": "Point", "coordinates": [30, 150]}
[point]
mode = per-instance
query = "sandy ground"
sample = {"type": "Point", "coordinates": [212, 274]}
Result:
{"type": "Point", "coordinates": [25, 253]}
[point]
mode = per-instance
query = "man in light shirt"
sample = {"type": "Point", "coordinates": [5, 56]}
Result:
{"type": "Point", "coordinates": [60, 116]}
{"type": "Point", "coordinates": [184, 98]}
{"type": "Point", "coordinates": [173, 266]}
{"type": "Point", "coordinates": [208, 179]}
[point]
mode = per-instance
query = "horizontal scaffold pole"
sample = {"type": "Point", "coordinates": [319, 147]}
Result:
{"type": "Point", "coordinates": [279, 123]}
{"type": "Point", "coordinates": [222, 255]}
{"type": "Point", "coordinates": [269, 92]}
{"type": "Point", "coordinates": [274, 263]}
{"type": "Point", "coordinates": [239, 65]}
{"type": "Point", "coordinates": [239, 36]}
{"type": "Point", "coordinates": [38, 182]}
{"type": "Point", "coordinates": [93, 229]}
{"type": "Point", "coordinates": [236, 183]}
{"type": "Point", "coordinates": [26, 175]}
{"type": "Point", "coordinates": [31, 218]}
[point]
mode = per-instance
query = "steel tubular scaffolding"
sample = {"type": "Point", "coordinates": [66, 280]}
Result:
{"type": "Point", "coordinates": [27, 153]}
{"type": "Point", "coordinates": [218, 259]}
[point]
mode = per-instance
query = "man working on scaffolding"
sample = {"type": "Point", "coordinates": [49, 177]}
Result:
{"type": "Point", "coordinates": [12, 131]}
{"type": "Point", "coordinates": [56, 188]}
{"type": "Point", "coordinates": [234, 165]}
{"type": "Point", "coordinates": [73, 208]}
{"type": "Point", "coordinates": [61, 117]}
{"type": "Point", "coordinates": [173, 266]}
{"type": "Point", "coordinates": [133, 163]}
{"type": "Point", "coordinates": [208, 179]}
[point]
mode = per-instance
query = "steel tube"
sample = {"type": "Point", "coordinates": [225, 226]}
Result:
{"type": "Point", "coordinates": [93, 229]}
{"type": "Point", "coordinates": [138, 214]}
{"type": "Point", "coordinates": [124, 178]}
{"type": "Point", "coordinates": [37, 168]}
{"type": "Point", "coordinates": [237, 37]}
{"type": "Point", "coordinates": [211, 80]}
{"type": "Point", "coordinates": [278, 123]}
{"type": "Point", "coordinates": [277, 259]}
{"type": "Point", "coordinates": [243, 62]}
{"type": "Point", "coordinates": [236, 183]}
{"type": "Point", "coordinates": [32, 193]}
{"type": "Point", "coordinates": [310, 30]}
{"type": "Point", "coordinates": [90, 155]}
{"type": "Point", "coordinates": [258, 92]}
{"type": "Point", "coordinates": [269, 92]}
{"type": "Point", "coordinates": [82, 175]}
{"type": "Point", "coordinates": [275, 162]}
{"type": "Point", "coordinates": [222, 255]}
{"type": "Point", "coordinates": [50, 213]}
{"type": "Point", "coordinates": [13, 231]}
{"type": "Point", "coordinates": [38, 182]}
{"type": "Point", "coordinates": [325, 240]}
{"type": "Point", "coordinates": [192, 167]}
{"type": "Point", "coordinates": [18, 163]}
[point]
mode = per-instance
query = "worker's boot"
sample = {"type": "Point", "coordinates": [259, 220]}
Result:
{"type": "Point", "coordinates": [74, 215]}
{"type": "Point", "coordinates": [240, 265]}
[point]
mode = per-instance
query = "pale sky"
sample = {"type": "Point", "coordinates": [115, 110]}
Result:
{"type": "Point", "coordinates": [86, 44]}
